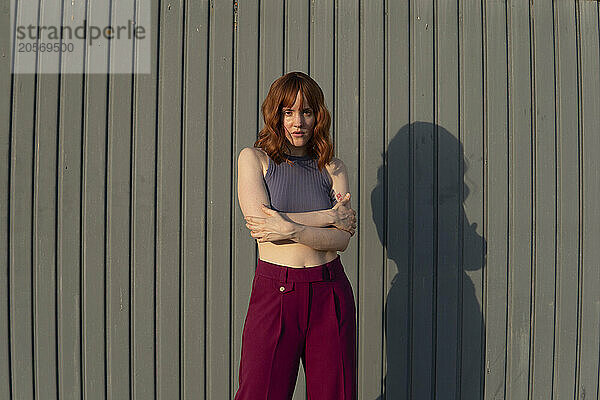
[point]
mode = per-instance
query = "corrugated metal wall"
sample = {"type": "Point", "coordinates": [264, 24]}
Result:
{"type": "Point", "coordinates": [471, 131]}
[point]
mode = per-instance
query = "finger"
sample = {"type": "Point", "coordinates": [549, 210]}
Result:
{"type": "Point", "coordinates": [255, 219]}
{"type": "Point", "coordinates": [262, 222]}
{"type": "Point", "coordinates": [267, 210]}
{"type": "Point", "coordinates": [342, 199]}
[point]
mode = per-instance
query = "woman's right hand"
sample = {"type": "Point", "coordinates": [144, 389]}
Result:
{"type": "Point", "coordinates": [344, 216]}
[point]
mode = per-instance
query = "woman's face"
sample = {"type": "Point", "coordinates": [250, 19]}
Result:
{"type": "Point", "coordinates": [298, 122]}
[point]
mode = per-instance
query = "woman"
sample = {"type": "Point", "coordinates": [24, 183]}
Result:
{"type": "Point", "coordinates": [301, 306]}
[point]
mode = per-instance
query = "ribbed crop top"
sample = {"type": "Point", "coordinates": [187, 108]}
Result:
{"type": "Point", "coordinates": [300, 187]}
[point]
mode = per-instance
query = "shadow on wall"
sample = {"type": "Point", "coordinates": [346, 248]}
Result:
{"type": "Point", "coordinates": [434, 323]}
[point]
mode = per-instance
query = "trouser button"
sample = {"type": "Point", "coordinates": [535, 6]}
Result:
{"type": "Point", "coordinates": [282, 288]}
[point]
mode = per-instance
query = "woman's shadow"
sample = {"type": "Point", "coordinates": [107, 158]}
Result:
{"type": "Point", "coordinates": [433, 321]}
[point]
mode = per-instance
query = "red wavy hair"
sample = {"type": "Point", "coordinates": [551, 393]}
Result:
{"type": "Point", "coordinates": [283, 94]}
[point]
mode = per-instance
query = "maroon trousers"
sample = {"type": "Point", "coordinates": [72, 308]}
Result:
{"type": "Point", "coordinates": [298, 314]}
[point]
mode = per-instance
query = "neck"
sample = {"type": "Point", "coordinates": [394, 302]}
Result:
{"type": "Point", "coordinates": [296, 152]}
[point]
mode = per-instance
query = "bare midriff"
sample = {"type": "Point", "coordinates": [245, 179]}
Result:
{"type": "Point", "coordinates": [294, 255]}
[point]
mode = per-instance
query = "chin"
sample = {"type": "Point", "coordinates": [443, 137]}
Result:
{"type": "Point", "coordinates": [298, 142]}
{"type": "Point", "coordinates": [303, 140]}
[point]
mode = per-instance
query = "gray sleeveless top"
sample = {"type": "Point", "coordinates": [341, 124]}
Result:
{"type": "Point", "coordinates": [300, 187]}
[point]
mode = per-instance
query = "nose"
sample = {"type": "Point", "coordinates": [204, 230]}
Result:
{"type": "Point", "coordinates": [298, 120]}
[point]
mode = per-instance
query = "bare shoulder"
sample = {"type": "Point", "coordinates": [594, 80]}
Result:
{"type": "Point", "coordinates": [336, 166]}
{"type": "Point", "coordinates": [259, 154]}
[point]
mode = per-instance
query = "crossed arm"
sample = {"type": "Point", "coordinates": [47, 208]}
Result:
{"type": "Point", "coordinates": [320, 218]}
{"type": "Point", "coordinates": [314, 229]}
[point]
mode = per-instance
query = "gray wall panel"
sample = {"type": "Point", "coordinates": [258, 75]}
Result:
{"type": "Point", "coordinates": [168, 202]}
{"type": "Point", "coordinates": [296, 25]}
{"type": "Point", "coordinates": [118, 209]}
{"type": "Point", "coordinates": [44, 206]}
{"type": "Point", "coordinates": [471, 196]}
{"type": "Point", "coordinates": [193, 274]}
{"type": "Point", "coordinates": [271, 58]}
{"type": "Point", "coordinates": [423, 199]}
{"type": "Point", "coordinates": [589, 271]}
{"type": "Point", "coordinates": [393, 183]}
{"type": "Point", "coordinates": [567, 207]}
{"type": "Point", "coordinates": [219, 204]}
{"type": "Point", "coordinates": [20, 231]}
{"type": "Point", "coordinates": [245, 127]}
{"type": "Point", "coordinates": [368, 292]}
{"type": "Point", "coordinates": [93, 273]}
{"type": "Point", "coordinates": [346, 112]}
{"type": "Point", "coordinates": [95, 218]}
{"type": "Point", "coordinates": [143, 227]}
{"type": "Point", "coordinates": [470, 133]}
{"type": "Point", "coordinates": [495, 128]}
{"type": "Point", "coordinates": [520, 195]}
{"type": "Point", "coordinates": [544, 174]}
{"type": "Point", "coordinates": [95, 196]}
{"type": "Point", "coordinates": [448, 202]}
{"type": "Point", "coordinates": [71, 250]}
{"type": "Point", "coordinates": [6, 82]}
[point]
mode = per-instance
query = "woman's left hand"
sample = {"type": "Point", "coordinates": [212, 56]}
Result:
{"type": "Point", "coordinates": [272, 227]}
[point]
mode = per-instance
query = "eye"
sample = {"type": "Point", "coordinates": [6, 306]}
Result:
{"type": "Point", "coordinates": [308, 112]}
{"type": "Point", "coordinates": [287, 113]}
